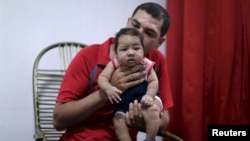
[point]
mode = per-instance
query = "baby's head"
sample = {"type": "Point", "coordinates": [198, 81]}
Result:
{"type": "Point", "coordinates": [129, 46]}
{"type": "Point", "coordinates": [129, 32]}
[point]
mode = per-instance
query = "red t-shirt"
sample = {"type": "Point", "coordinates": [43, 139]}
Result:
{"type": "Point", "coordinates": [77, 84]}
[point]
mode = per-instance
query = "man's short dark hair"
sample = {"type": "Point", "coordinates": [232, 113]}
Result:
{"type": "Point", "coordinates": [158, 12]}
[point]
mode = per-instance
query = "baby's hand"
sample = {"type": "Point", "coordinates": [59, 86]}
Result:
{"type": "Point", "coordinates": [113, 94]}
{"type": "Point", "coordinates": [147, 100]}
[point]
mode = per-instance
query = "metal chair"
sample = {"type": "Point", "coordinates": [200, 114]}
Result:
{"type": "Point", "coordinates": [48, 71]}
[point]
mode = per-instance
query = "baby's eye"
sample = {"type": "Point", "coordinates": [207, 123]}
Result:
{"type": "Point", "coordinates": [123, 49]}
{"type": "Point", "coordinates": [137, 48]}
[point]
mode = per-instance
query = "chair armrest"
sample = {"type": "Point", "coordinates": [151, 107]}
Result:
{"type": "Point", "coordinates": [39, 136]}
{"type": "Point", "coordinates": [166, 134]}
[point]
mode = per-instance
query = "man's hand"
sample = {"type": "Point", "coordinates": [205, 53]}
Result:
{"type": "Point", "coordinates": [124, 78]}
{"type": "Point", "coordinates": [134, 116]}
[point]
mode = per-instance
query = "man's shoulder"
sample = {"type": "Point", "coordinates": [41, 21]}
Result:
{"type": "Point", "coordinates": [94, 48]}
{"type": "Point", "coordinates": [90, 50]}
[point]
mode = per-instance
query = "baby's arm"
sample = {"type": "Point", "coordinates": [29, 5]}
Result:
{"type": "Point", "coordinates": [152, 89]}
{"type": "Point", "coordinates": [103, 81]}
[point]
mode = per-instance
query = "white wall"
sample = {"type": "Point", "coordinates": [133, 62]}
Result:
{"type": "Point", "coordinates": [28, 26]}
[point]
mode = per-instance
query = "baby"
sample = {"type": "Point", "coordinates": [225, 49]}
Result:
{"type": "Point", "coordinates": [130, 52]}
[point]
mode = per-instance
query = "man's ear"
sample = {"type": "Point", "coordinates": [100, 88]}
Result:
{"type": "Point", "coordinates": [128, 21]}
{"type": "Point", "coordinates": [161, 40]}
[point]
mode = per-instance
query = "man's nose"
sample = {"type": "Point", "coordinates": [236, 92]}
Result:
{"type": "Point", "coordinates": [141, 31]}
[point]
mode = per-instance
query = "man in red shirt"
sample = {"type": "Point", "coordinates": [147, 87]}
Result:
{"type": "Point", "coordinates": [84, 110]}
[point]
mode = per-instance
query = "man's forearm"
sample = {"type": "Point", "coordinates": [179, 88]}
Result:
{"type": "Point", "coordinates": [67, 114]}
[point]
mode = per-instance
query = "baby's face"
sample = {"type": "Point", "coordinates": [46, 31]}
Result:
{"type": "Point", "coordinates": [130, 50]}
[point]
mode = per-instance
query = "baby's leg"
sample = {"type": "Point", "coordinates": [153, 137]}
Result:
{"type": "Point", "coordinates": [152, 120]}
{"type": "Point", "coordinates": [121, 128]}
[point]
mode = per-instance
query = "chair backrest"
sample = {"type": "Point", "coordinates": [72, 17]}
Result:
{"type": "Point", "coordinates": [48, 71]}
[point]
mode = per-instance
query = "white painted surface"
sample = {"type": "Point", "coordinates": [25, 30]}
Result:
{"type": "Point", "coordinates": [28, 26]}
